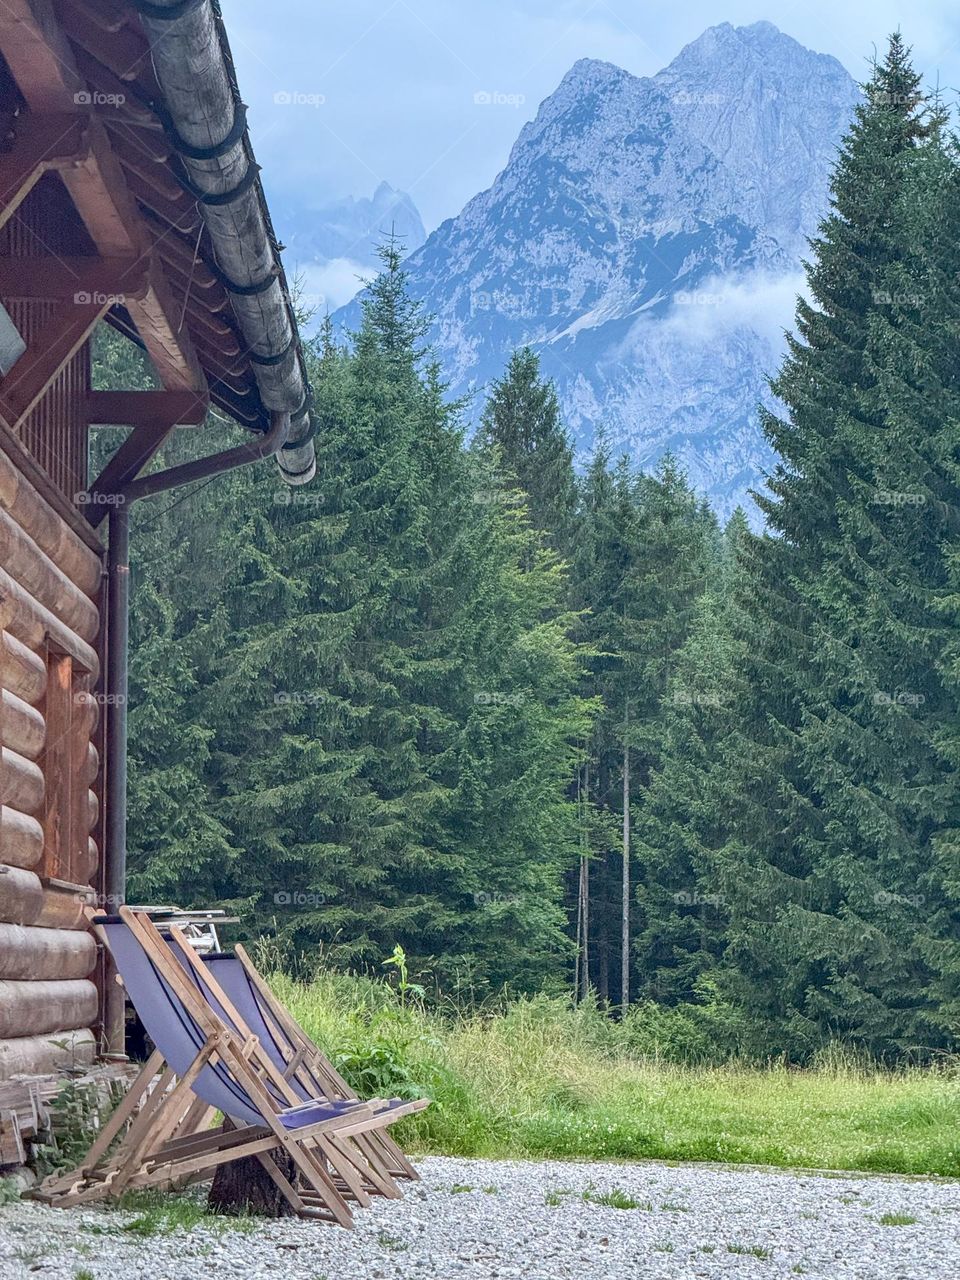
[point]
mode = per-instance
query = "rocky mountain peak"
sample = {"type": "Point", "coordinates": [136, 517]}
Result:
{"type": "Point", "coordinates": [645, 236]}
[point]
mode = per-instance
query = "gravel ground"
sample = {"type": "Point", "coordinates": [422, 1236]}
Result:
{"type": "Point", "coordinates": [478, 1219]}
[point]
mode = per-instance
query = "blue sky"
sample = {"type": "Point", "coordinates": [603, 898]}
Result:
{"type": "Point", "coordinates": [345, 95]}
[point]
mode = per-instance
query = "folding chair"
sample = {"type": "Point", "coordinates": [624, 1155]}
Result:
{"type": "Point", "coordinates": [291, 1049]}
{"type": "Point", "coordinates": [199, 1064]}
{"type": "Point", "coordinates": [243, 1015]}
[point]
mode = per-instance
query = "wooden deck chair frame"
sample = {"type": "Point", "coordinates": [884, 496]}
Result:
{"type": "Point", "coordinates": [358, 1154]}
{"type": "Point", "coordinates": [308, 1064]}
{"type": "Point", "coordinates": [155, 1137]}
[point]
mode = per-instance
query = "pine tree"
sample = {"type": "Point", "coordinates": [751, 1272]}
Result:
{"type": "Point", "coordinates": [641, 564]}
{"type": "Point", "coordinates": [410, 687]}
{"type": "Point", "coordinates": [682, 825]}
{"type": "Point", "coordinates": [843, 785]}
{"type": "Point", "coordinates": [521, 419]}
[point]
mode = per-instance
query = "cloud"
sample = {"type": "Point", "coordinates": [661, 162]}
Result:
{"type": "Point", "coordinates": [720, 306]}
{"type": "Point", "coordinates": [326, 286]}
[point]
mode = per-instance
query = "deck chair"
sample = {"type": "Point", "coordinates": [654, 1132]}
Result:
{"type": "Point", "coordinates": [223, 983]}
{"type": "Point", "coordinates": [201, 1065]}
{"type": "Point", "coordinates": [294, 1053]}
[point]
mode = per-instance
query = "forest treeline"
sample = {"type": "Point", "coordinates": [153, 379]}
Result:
{"type": "Point", "coordinates": [556, 730]}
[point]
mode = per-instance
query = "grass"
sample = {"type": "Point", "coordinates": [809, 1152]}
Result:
{"type": "Point", "coordinates": [163, 1214]}
{"type": "Point", "coordinates": [615, 1199]}
{"type": "Point", "coordinates": [538, 1079]}
{"type": "Point", "coordinates": [896, 1220]}
{"type": "Point", "coordinates": [751, 1250]}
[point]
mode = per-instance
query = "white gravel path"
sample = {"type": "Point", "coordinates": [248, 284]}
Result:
{"type": "Point", "coordinates": [478, 1219]}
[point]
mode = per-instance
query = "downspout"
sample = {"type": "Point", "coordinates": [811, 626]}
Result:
{"type": "Point", "coordinates": [117, 671]}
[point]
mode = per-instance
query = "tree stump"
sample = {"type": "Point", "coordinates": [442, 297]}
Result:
{"type": "Point", "coordinates": [244, 1186]}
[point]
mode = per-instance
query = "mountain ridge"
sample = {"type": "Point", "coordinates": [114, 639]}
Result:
{"type": "Point", "coordinates": [645, 237]}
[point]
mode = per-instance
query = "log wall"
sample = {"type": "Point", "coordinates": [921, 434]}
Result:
{"type": "Point", "coordinates": [50, 584]}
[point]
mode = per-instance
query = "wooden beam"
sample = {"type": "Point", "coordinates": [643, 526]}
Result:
{"type": "Point", "coordinates": [64, 279]}
{"type": "Point", "coordinates": [40, 143]}
{"type": "Point", "coordinates": [131, 408]}
{"type": "Point", "coordinates": [38, 55]}
{"type": "Point", "coordinates": [48, 354]}
{"type": "Point", "coordinates": [127, 463]}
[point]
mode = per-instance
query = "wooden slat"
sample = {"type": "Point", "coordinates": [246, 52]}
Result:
{"type": "Point", "coordinates": [58, 815]}
{"type": "Point", "coordinates": [21, 670]}
{"type": "Point", "coordinates": [24, 560]}
{"type": "Point", "coordinates": [47, 355]}
{"type": "Point", "coordinates": [23, 728]}
{"type": "Point", "coordinates": [130, 408]}
{"type": "Point", "coordinates": [21, 783]}
{"type": "Point", "coordinates": [42, 63]}
{"type": "Point", "coordinates": [21, 897]}
{"type": "Point", "coordinates": [34, 624]}
{"type": "Point", "coordinates": [48, 515]}
{"type": "Point", "coordinates": [61, 278]}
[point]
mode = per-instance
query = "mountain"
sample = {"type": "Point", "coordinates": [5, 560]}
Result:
{"type": "Point", "coordinates": [645, 237]}
{"type": "Point", "coordinates": [331, 246]}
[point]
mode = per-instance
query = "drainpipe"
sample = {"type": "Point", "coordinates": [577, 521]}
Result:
{"type": "Point", "coordinates": [117, 671]}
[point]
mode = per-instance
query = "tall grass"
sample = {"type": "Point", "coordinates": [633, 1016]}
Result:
{"type": "Point", "coordinates": [538, 1078]}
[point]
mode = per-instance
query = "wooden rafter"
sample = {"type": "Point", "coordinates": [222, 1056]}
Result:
{"type": "Point", "coordinates": [133, 408]}
{"type": "Point", "coordinates": [40, 143]}
{"type": "Point", "coordinates": [41, 61]}
{"type": "Point", "coordinates": [156, 414]}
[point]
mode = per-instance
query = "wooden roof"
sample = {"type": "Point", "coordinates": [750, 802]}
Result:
{"type": "Point", "coordinates": [101, 59]}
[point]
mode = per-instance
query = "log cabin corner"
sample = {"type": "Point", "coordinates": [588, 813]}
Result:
{"type": "Point", "coordinates": [129, 194]}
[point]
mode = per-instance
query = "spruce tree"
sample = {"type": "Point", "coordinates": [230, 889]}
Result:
{"type": "Point", "coordinates": [842, 779]}
{"type": "Point", "coordinates": [521, 419]}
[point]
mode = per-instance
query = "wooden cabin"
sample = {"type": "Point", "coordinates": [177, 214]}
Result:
{"type": "Point", "coordinates": [128, 194]}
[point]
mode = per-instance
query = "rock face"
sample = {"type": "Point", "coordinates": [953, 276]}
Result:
{"type": "Point", "coordinates": [646, 236]}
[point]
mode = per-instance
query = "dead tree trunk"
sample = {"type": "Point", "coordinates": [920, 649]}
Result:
{"type": "Point", "coordinates": [625, 890]}
{"type": "Point", "coordinates": [244, 1187]}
